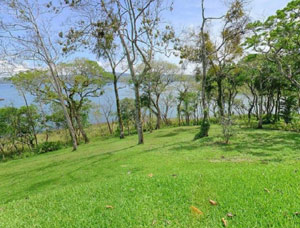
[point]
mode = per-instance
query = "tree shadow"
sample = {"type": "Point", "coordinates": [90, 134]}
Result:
{"type": "Point", "coordinates": [264, 145]}
{"type": "Point", "coordinates": [175, 132]}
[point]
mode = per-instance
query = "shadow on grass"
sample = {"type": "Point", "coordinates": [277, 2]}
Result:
{"type": "Point", "coordinates": [176, 131]}
{"type": "Point", "coordinates": [265, 145]}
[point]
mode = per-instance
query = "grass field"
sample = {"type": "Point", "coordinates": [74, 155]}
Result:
{"type": "Point", "coordinates": [256, 178]}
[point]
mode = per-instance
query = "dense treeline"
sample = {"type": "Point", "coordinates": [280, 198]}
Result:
{"type": "Point", "coordinates": [249, 72]}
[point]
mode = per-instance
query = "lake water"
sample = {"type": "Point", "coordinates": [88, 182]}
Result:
{"type": "Point", "coordinates": [11, 96]}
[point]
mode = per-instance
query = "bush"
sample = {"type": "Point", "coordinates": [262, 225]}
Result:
{"type": "Point", "coordinates": [48, 147]}
{"type": "Point", "coordinates": [226, 123]}
{"type": "Point", "coordinates": [203, 130]}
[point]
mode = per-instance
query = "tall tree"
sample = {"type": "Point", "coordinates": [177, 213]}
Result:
{"type": "Point", "coordinates": [161, 76]}
{"type": "Point", "coordinates": [202, 51]}
{"type": "Point", "coordinates": [137, 27]}
{"type": "Point", "coordinates": [80, 80]}
{"type": "Point", "coordinates": [26, 33]}
{"type": "Point", "coordinates": [278, 39]}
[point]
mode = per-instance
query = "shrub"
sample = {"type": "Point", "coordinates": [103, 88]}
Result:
{"type": "Point", "coordinates": [48, 147]}
{"type": "Point", "coordinates": [203, 130]}
{"type": "Point", "coordinates": [226, 123]}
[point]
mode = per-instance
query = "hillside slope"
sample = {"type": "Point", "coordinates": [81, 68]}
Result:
{"type": "Point", "coordinates": [116, 183]}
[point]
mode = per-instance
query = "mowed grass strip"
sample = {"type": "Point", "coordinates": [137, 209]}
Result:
{"type": "Point", "coordinates": [107, 183]}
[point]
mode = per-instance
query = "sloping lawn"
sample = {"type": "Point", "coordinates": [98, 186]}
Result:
{"type": "Point", "coordinates": [116, 183]}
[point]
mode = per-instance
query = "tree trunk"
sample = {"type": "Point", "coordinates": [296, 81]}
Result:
{"type": "Point", "coordinates": [277, 106]}
{"type": "Point", "coordinates": [80, 126]}
{"type": "Point", "coordinates": [138, 114]}
{"type": "Point", "coordinates": [31, 121]}
{"type": "Point", "coordinates": [63, 105]}
{"type": "Point", "coordinates": [109, 126]}
{"type": "Point", "coordinates": [250, 112]}
{"type": "Point", "coordinates": [158, 118]}
{"type": "Point", "coordinates": [44, 121]}
{"type": "Point", "coordinates": [150, 120]}
{"type": "Point", "coordinates": [57, 86]}
{"type": "Point", "coordinates": [205, 122]}
{"type": "Point", "coordinates": [260, 115]}
{"type": "Point", "coordinates": [121, 126]}
{"type": "Point", "coordinates": [179, 113]}
{"type": "Point", "coordinates": [220, 98]}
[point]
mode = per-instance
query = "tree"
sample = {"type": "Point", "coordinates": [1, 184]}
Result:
{"type": "Point", "coordinates": [27, 37]}
{"type": "Point", "coordinates": [79, 79]}
{"type": "Point", "coordinates": [161, 76]}
{"type": "Point", "coordinates": [277, 38]}
{"type": "Point", "coordinates": [136, 26]}
{"type": "Point", "coordinates": [183, 84]}
{"type": "Point", "coordinates": [168, 102]}
{"type": "Point", "coordinates": [100, 37]}
{"type": "Point", "coordinates": [205, 53]}
{"type": "Point", "coordinates": [128, 112]}
{"type": "Point", "coordinates": [18, 129]}
{"type": "Point", "coordinates": [108, 113]}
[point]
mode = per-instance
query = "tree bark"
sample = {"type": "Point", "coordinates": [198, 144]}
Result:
{"type": "Point", "coordinates": [179, 113]}
{"type": "Point", "coordinates": [62, 102]}
{"type": "Point", "coordinates": [277, 106]}
{"type": "Point", "coordinates": [120, 120]}
{"type": "Point", "coordinates": [158, 116]}
{"type": "Point", "coordinates": [205, 122]}
{"type": "Point", "coordinates": [138, 114]}
{"type": "Point", "coordinates": [109, 126]}
{"type": "Point", "coordinates": [31, 121]}
{"type": "Point", "coordinates": [80, 126]}
{"type": "Point", "coordinates": [260, 115]}
{"type": "Point", "coordinates": [220, 98]}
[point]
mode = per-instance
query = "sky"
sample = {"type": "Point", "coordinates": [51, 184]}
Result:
{"type": "Point", "coordinates": [187, 14]}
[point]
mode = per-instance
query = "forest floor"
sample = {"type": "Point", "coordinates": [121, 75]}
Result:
{"type": "Point", "coordinates": [117, 183]}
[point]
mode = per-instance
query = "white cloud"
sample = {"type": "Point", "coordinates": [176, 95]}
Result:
{"type": "Point", "coordinates": [8, 69]}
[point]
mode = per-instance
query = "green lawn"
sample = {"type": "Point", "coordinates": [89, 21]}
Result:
{"type": "Point", "coordinates": [256, 178]}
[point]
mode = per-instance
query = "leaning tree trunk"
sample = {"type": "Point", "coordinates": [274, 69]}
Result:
{"type": "Point", "coordinates": [108, 125]}
{"type": "Point", "coordinates": [63, 105]}
{"type": "Point", "coordinates": [31, 121]}
{"type": "Point", "coordinates": [57, 86]}
{"type": "Point", "coordinates": [80, 126]}
{"type": "Point", "coordinates": [120, 120]}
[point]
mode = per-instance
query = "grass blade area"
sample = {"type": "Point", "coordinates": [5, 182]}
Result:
{"type": "Point", "coordinates": [256, 178]}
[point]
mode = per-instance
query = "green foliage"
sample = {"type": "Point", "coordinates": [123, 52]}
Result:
{"type": "Point", "coordinates": [18, 128]}
{"type": "Point", "coordinates": [204, 129]}
{"type": "Point", "coordinates": [227, 128]}
{"type": "Point", "coordinates": [48, 147]}
{"type": "Point", "coordinates": [127, 106]}
{"type": "Point", "coordinates": [288, 106]}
